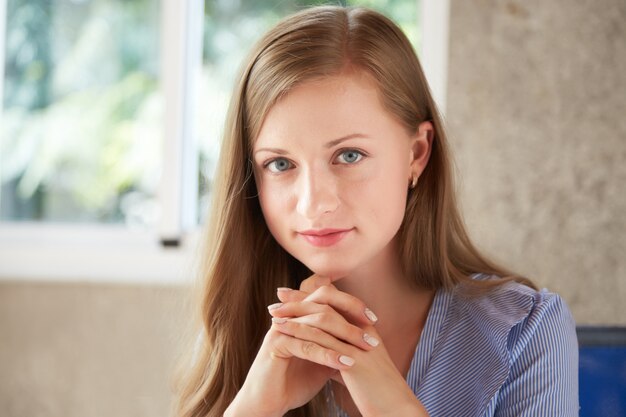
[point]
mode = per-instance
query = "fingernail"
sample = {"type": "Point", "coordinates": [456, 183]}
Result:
{"type": "Point", "coordinates": [274, 306]}
{"type": "Point", "coordinates": [372, 341]}
{"type": "Point", "coordinates": [346, 360]}
{"type": "Point", "coordinates": [283, 289]}
{"type": "Point", "coordinates": [279, 320]}
{"type": "Point", "coordinates": [370, 315]}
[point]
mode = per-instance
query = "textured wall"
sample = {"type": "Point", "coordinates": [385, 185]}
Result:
{"type": "Point", "coordinates": [537, 113]}
{"type": "Point", "coordinates": [76, 350]}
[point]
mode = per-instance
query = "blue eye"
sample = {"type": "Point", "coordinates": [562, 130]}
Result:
{"type": "Point", "coordinates": [351, 156]}
{"type": "Point", "coordinates": [278, 165]}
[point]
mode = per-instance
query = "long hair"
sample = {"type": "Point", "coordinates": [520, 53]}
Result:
{"type": "Point", "coordinates": [242, 263]}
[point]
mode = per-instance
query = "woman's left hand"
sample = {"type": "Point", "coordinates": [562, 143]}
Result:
{"type": "Point", "coordinates": [308, 313]}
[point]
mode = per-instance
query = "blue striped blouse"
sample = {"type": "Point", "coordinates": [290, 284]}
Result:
{"type": "Point", "coordinates": [512, 352]}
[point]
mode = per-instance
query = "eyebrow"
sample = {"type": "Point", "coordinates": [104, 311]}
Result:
{"type": "Point", "coordinates": [328, 145]}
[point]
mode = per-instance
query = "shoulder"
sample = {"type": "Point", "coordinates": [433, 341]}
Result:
{"type": "Point", "coordinates": [518, 312]}
{"type": "Point", "coordinates": [510, 303]}
{"type": "Point", "coordinates": [491, 339]}
{"type": "Point", "coordinates": [511, 314]}
{"type": "Point", "coordinates": [535, 333]}
{"type": "Point", "coordinates": [549, 326]}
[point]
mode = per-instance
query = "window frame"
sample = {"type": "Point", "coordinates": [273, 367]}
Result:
{"type": "Point", "coordinates": [39, 251]}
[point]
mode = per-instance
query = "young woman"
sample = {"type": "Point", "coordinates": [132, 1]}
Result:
{"type": "Point", "coordinates": [334, 196]}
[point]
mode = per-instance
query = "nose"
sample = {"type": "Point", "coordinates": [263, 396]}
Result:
{"type": "Point", "coordinates": [316, 193]}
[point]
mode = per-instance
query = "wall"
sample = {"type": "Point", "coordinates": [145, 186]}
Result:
{"type": "Point", "coordinates": [537, 113]}
{"type": "Point", "coordinates": [85, 350]}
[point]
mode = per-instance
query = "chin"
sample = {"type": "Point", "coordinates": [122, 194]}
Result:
{"type": "Point", "coordinates": [334, 272]}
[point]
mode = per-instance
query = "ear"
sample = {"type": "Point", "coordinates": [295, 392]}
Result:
{"type": "Point", "coordinates": [421, 145]}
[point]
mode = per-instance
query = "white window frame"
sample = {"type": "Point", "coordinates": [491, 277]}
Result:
{"type": "Point", "coordinates": [435, 26]}
{"type": "Point", "coordinates": [34, 251]}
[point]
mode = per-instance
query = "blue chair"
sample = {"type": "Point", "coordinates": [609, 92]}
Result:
{"type": "Point", "coordinates": [602, 373]}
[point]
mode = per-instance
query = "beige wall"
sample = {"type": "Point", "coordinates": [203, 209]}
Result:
{"type": "Point", "coordinates": [536, 108]}
{"type": "Point", "coordinates": [84, 350]}
{"type": "Point", "coordinates": [537, 112]}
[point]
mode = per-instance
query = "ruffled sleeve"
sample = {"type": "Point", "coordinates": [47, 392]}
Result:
{"type": "Point", "coordinates": [543, 379]}
{"type": "Point", "coordinates": [479, 359]}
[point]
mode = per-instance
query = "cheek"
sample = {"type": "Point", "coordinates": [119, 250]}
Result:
{"type": "Point", "coordinates": [274, 200]}
{"type": "Point", "coordinates": [378, 190]}
{"type": "Point", "coordinates": [385, 195]}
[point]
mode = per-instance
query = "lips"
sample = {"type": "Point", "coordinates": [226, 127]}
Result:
{"type": "Point", "coordinates": [324, 237]}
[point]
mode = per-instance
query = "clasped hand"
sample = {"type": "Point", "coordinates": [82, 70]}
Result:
{"type": "Point", "coordinates": [320, 333]}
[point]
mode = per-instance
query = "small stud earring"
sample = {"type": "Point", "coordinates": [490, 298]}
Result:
{"type": "Point", "coordinates": [413, 181]}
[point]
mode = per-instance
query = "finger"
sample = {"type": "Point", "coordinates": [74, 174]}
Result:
{"type": "Point", "coordinates": [306, 287]}
{"type": "Point", "coordinates": [353, 309]}
{"type": "Point", "coordinates": [285, 346]}
{"type": "Point", "coordinates": [314, 282]}
{"type": "Point", "coordinates": [325, 318]}
{"type": "Point", "coordinates": [349, 306]}
{"type": "Point", "coordinates": [287, 294]}
{"type": "Point", "coordinates": [315, 338]}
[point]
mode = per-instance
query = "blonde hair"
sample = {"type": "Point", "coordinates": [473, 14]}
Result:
{"type": "Point", "coordinates": [244, 265]}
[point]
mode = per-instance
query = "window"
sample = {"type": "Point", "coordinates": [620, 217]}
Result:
{"type": "Point", "coordinates": [110, 124]}
{"type": "Point", "coordinates": [81, 129]}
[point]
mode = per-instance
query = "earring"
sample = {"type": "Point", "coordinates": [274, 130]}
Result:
{"type": "Point", "coordinates": [413, 181]}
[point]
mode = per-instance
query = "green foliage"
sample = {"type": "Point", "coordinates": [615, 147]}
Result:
{"type": "Point", "coordinates": [82, 114]}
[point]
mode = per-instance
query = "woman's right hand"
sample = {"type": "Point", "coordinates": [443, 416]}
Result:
{"type": "Point", "coordinates": [285, 374]}
{"type": "Point", "coordinates": [288, 372]}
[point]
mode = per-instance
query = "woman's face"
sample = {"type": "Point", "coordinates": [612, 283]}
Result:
{"type": "Point", "coordinates": [333, 168]}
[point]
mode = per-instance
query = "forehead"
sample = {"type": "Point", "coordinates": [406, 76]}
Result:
{"type": "Point", "coordinates": [321, 107]}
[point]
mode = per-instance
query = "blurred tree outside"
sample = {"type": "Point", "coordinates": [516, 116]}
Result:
{"type": "Point", "coordinates": [81, 126]}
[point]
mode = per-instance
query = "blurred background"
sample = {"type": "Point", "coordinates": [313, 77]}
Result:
{"type": "Point", "coordinates": [110, 121]}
